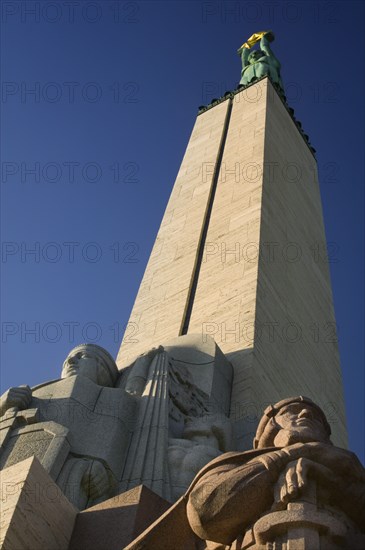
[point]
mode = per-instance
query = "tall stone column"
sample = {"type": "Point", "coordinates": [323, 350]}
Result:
{"type": "Point", "coordinates": [158, 313]}
{"type": "Point", "coordinates": [241, 256]}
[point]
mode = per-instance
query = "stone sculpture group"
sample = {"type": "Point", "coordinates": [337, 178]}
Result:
{"type": "Point", "coordinates": [99, 432]}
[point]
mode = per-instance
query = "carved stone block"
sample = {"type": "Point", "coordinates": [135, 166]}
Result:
{"type": "Point", "coordinates": [35, 515]}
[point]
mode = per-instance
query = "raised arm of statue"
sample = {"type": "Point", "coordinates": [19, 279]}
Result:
{"type": "Point", "coordinates": [245, 52]}
{"type": "Point", "coordinates": [265, 47]}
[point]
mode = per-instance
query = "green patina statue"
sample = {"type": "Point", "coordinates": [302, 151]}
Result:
{"type": "Point", "coordinates": [262, 62]}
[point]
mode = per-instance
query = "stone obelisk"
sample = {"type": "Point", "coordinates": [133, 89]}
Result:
{"type": "Point", "coordinates": [241, 256]}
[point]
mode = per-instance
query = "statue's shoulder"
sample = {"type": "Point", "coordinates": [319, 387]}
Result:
{"type": "Point", "coordinates": [44, 384]}
{"type": "Point", "coordinates": [238, 457]}
{"type": "Point", "coordinates": [231, 459]}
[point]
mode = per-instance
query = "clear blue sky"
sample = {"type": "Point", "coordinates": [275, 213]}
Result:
{"type": "Point", "coordinates": [116, 86]}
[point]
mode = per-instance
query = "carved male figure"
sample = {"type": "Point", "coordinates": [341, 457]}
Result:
{"type": "Point", "coordinates": [203, 439]}
{"type": "Point", "coordinates": [292, 447]}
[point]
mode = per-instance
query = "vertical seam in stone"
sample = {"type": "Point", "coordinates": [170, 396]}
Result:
{"type": "Point", "coordinates": [263, 190]}
{"type": "Point", "coordinates": [200, 250]}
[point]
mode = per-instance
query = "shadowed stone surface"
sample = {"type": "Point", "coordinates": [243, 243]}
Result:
{"type": "Point", "coordinates": [35, 515]}
{"type": "Point", "coordinates": [114, 523]}
{"type": "Point", "coordinates": [183, 382]}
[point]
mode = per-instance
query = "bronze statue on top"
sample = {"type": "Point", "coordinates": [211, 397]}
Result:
{"type": "Point", "coordinates": [259, 63]}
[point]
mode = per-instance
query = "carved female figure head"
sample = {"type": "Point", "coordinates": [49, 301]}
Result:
{"type": "Point", "coordinates": [93, 362]}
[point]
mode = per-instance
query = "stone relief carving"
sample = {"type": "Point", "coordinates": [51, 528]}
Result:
{"type": "Point", "coordinates": [99, 432]}
{"type": "Point", "coordinates": [203, 438]}
{"type": "Point", "coordinates": [172, 398]}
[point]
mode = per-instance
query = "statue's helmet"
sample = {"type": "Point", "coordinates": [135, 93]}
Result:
{"type": "Point", "coordinates": [105, 360]}
{"type": "Point", "coordinates": [265, 433]}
